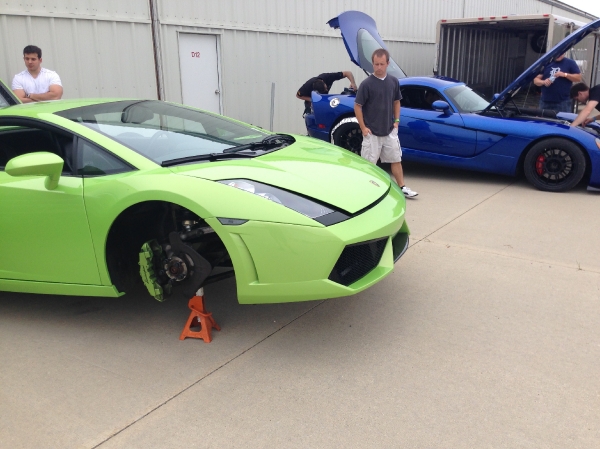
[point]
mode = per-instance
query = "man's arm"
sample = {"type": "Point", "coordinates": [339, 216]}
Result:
{"type": "Point", "coordinates": [305, 90]}
{"type": "Point", "coordinates": [350, 76]}
{"type": "Point", "coordinates": [54, 93]}
{"type": "Point", "coordinates": [361, 121]}
{"type": "Point", "coordinates": [18, 90]}
{"type": "Point", "coordinates": [539, 81]}
{"type": "Point", "coordinates": [583, 115]}
{"type": "Point", "coordinates": [20, 94]}
{"type": "Point", "coordinates": [396, 113]}
{"type": "Point", "coordinates": [302, 98]}
{"type": "Point", "coordinates": [573, 77]}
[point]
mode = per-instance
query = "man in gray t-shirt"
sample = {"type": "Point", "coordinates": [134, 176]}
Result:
{"type": "Point", "coordinates": [377, 109]}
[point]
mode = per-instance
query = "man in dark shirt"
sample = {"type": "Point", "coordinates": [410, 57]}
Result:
{"type": "Point", "coordinates": [555, 81]}
{"type": "Point", "coordinates": [321, 84]}
{"type": "Point", "coordinates": [377, 109]}
{"type": "Point", "coordinates": [583, 94]}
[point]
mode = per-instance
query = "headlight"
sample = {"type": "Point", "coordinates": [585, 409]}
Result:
{"type": "Point", "coordinates": [598, 143]}
{"type": "Point", "coordinates": [293, 201]}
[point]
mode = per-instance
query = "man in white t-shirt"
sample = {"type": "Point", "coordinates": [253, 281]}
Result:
{"type": "Point", "coordinates": [36, 83]}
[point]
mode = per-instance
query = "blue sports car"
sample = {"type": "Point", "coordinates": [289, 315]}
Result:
{"type": "Point", "coordinates": [445, 122]}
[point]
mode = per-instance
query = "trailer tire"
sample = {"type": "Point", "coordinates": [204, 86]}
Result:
{"type": "Point", "coordinates": [539, 41]}
{"type": "Point", "coordinates": [348, 136]}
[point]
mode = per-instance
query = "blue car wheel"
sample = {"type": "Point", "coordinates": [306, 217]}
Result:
{"type": "Point", "coordinates": [554, 165]}
{"type": "Point", "coordinates": [348, 136]}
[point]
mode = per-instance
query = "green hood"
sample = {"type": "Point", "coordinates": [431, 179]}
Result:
{"type": "Point", "coordinates": [309, 167]}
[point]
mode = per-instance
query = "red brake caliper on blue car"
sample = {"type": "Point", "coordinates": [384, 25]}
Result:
{"type": "Point", "coordinates": [539, 164]}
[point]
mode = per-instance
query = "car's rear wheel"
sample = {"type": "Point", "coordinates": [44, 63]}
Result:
{"type": "Point", "coordinates": [554, 165]}
{"type": "Point", "coordinates": [348, 136]}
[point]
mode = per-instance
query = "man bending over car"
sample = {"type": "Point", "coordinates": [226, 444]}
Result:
{"type": "Point", "coordinates": [321, 84]}
{"type": "Point", "coordinates": [583, 94]}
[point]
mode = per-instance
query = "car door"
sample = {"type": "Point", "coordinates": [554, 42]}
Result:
{"type": "Point", "coordinates": [44, 233]}
{"type": "Point", "coordinates": [424, 129]}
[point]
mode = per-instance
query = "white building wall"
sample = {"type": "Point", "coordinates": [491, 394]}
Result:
{"type": "Point", "coordinates": [103, 48]}
{"type": "Point", "coordinates": [119, 10]}
{"type": "Point", "coordinates": [99, 48]}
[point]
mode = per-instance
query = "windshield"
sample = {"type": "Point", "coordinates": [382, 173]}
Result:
{"type": "Point", "coordinates": [465, 99]}
{"type": "Point", "coordinates": [162, 131]}
{"type": "Point", "coordinates": [366, 46]}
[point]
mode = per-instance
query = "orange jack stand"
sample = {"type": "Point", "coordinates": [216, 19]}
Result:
{"type": "Point", "coordinates": [199, 318]}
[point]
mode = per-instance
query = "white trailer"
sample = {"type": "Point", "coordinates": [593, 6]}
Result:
{"type": "Point", "coordinates": [488, 53]}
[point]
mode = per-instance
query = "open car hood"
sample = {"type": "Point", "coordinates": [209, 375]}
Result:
{"type": "Point", "coordinates": [538, 66]}
{"type": "Point", "coordinates": [361, 39]}
{"type": "Point", "coordinates": [7, 98]}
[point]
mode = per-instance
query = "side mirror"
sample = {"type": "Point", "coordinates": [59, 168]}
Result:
{"type": "Point", "coordinates": [37, 164]}
{"type": "Point", "coordinates": [495, 96]}
{"type": "Point", "coordinates": [441, 106]}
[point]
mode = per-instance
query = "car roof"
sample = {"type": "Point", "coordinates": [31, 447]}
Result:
{"type": "Point", "coordinates": [429, 81]}
{"type": "Point", "coordinates": [50, 107]}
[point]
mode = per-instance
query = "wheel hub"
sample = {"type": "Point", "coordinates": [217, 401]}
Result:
{"type": "Point", "coordinates": [354, 140]}
{"type": "Point", "coordinates": [554, 165]}
{"type": "Point", "coordinates": [175, 268]}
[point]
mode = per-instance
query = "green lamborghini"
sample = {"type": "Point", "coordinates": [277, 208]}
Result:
{"type": "Point", "coordinates": [98, 196]}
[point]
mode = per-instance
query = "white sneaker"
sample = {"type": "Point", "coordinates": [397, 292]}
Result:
{"type": "Point", "coordinates": [408, 193]}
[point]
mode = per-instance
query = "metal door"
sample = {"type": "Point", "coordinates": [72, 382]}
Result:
{"type": "Point", "coordinates": [199, 67]}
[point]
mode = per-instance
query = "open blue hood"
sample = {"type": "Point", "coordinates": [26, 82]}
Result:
{"type": "Point", "coordinates": [538, 66]}
{"type": "Point", "coordinates": [361, 39]}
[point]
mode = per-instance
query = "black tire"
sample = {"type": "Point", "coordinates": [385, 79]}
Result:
{"type": "Point", "coordinates": [554, 165]}
{"type": "Point", "coordinates": [538, 42]}
{"type": "Point", "coordinates": [348, 136]}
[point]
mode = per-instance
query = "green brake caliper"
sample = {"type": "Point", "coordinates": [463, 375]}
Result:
{"type": "Point", "coordinates": [150, 255]}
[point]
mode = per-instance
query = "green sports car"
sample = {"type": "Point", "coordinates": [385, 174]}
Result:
{"type": "Point", "coordinates": [99, 195]}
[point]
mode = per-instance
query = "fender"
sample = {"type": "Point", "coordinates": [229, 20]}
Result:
{"type": "Point", "coordinates": [327, 111]}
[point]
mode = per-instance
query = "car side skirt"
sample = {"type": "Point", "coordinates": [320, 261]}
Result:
{"type": "Point", "coordinates": [55, 288]}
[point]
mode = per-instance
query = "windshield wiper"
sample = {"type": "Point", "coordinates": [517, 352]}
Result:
{"type": "Point", "coordinates": [275, 140]}
{"type": "Point", "coordinates": [251, 146]}
{"type": "Point", "coordinates": [205, 157]}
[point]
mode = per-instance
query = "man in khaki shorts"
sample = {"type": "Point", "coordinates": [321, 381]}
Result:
{"type": "Point", "coordinates": [377, 109]}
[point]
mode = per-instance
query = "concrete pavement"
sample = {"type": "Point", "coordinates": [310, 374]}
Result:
{"type": "Point", "coordinates": [486, 335]}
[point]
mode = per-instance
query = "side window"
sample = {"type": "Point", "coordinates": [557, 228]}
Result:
{"type": "Point", "coordinates": [16, 140]}
{"type": "Point", "coordinates": [419, 97]}
{"type": "Point", "coordinates": [94, 161]}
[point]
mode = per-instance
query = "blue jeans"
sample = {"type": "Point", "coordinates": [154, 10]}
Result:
{"type": "Point", "coordinates": [558, 106]}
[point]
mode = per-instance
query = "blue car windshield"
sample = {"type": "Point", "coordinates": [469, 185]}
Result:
{"type": "Point", "coordinates": [366, 46]}
{"type": "Point", "coordinates": [162, 131]}
{"type": "Point", "coordinates": [465, 99]}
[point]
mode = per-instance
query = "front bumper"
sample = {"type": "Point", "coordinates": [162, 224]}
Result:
{"type": "Point", "coordinates": [594, 182]}
{"type": "Point", "coordinates": [278, 262]}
